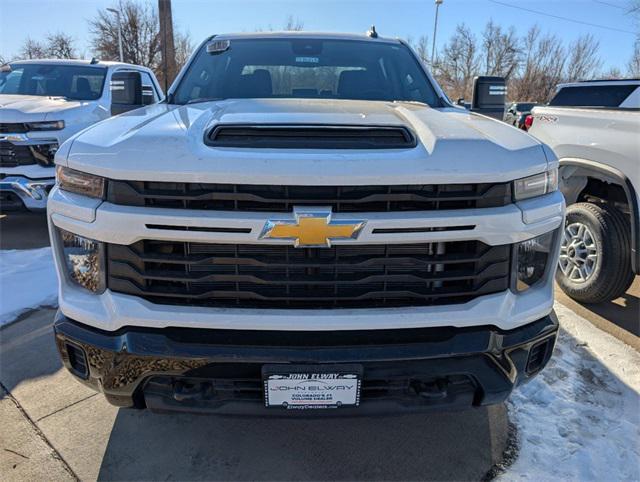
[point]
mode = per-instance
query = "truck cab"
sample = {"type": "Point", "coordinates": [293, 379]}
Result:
{"type": "Point", "coordinates": [45, 102]}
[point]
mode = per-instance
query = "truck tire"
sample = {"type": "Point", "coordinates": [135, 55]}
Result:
{"type": "Point", "coordinates": [595, 254]}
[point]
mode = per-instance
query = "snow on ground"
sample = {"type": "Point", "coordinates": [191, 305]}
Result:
{"type": "Point", "coordinates": [27, 280]}
{"type": "Point", "coordinates": [580, 418]}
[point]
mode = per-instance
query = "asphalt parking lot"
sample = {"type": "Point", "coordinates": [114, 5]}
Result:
{"type": "Point", "coordinates": [57, 429]}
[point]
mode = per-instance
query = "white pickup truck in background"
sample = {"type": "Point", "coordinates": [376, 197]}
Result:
{"type": "Point", "coordinates": [45, 102]}
{"type": "Point", "coordinates": [594, 129]}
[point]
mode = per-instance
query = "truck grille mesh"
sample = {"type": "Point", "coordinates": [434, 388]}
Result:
{"type": "Point", "coordinates": [273, 276]}
{"type": "Point", "coordinates": [13, 155]}
{"type": "Point", "coordinates": [275, 198]}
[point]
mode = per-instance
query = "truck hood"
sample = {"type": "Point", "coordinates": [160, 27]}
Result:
{"type": "Point", "coordinates": [166, 143]}
{"type": "Point", "coordinates": [24, 108]}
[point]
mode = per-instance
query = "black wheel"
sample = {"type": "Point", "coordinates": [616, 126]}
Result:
{"type": "Point", "coordinates": [595, 254]}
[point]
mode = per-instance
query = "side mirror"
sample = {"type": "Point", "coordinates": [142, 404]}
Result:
{"type": "Point", "coordinates": [489, 96]}
{"type": "Point", "coordinates": [460, 101]}
{"type": "Point", "coordinates": [126, 92]}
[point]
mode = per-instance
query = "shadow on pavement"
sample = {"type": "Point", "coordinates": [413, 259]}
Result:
{"type": "Point", "coordinates": [27, 349]}
{"type": "Point", "coordinates": [23, 230]}
{"type": "Point", "coordinates": [625, 312]}
{"type": "Point", "coordinates": [436, 446]}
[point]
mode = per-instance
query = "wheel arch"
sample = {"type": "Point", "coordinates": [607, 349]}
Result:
{"type": "Point", "coordinates": [581, 170]}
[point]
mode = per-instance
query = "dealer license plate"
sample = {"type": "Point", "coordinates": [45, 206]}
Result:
{"type": "Point", "coordinates": [312, 387]}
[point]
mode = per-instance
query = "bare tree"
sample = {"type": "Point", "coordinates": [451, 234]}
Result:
{"type": "Point", "coordinates": [60, 46]}
{"type": "Point", "coordinates": [458, 63]}
{"type": "Point", "coordinates": [421, 46]}
{"type": "Point", "coordinates": [633, 67]}
{"type": "Point", "coordinates": [140, 34]}
{"type": "Point", "coordinates": [611, 74]}
{"type": "Point", "coordinates": [542, 67]}
{"type": "Point", "coordinates": [184, 48]}
{"type": "Point", "coordinates": [583, 62]}
{"type": "Point", "coordinates": [501, 50]}
{"type": "Point", "coordinates": [32, 49]}
{"type": "Point", "coordinates": [294, 25]}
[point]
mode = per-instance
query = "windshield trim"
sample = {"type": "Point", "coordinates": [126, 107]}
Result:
{"type": "Point", "coordinates": [100, 68]}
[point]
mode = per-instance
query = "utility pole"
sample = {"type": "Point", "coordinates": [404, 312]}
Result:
{"type": "Point", "coordinates": [435, 31]}
{"type": "Point", "coordinates": [166, 43]}
{"type": "Point", "coordinates": [117, 12]}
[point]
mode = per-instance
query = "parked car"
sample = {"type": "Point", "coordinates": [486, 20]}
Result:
{"type": "Point", "coordinates": [306, 223]}
{"type": "Point", "coordinates": [516, 113]}
{"type": "Point", "coordinates": [594, 129]}
{"type": "Point", "coordinates": [42, 104]}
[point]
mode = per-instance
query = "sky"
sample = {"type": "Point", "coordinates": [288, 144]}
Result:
{"type": "Point", "coordinates": [392, 18]}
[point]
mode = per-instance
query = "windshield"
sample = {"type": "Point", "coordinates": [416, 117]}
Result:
{"type": "Point", "coordinates": [71, 81]}
{"type": "Point", "coordinates": [306, 68]}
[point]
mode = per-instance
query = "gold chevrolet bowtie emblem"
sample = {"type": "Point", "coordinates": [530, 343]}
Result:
{"type": "Point", "coordinates": [311, 227]}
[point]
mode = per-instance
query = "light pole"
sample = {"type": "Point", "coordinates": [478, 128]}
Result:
{"type": "Point", "coordinates": [435, 30]}
{"type": "Point", "coordinates": [117, 12]}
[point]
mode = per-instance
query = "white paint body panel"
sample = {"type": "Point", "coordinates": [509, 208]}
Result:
{"type": "Point", "coordinates": [165, 142]}
{"type": "Point", "coordinates": [607, 136]}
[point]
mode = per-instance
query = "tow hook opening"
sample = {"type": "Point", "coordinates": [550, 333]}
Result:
{"type": "Point", "coordinates": [435, 390]}
{"type": "Point", "coordinates": [184, 391]}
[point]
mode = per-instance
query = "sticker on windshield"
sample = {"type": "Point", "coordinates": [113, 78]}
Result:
{"type": "Point", "coordinates": [308, 60]}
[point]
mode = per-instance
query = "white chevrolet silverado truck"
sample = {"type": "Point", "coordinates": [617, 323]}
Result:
{"type": "Point", "coordinates": [42, 104]}
{"type": "Point", "coordinates": [594, 129]}
{"type": "Point", "coordinates": [305, 223]}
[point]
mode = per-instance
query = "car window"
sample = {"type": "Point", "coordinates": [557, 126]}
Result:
{"type": "Point", "coordinates": [149, 92]}
{"type": "Point", "coordinates": [592, 96]}
{"type": "Point", "coordinates": [306, 68]}
{"type": "Point", "coordinates": [525, 107]}
{"type": "Point", "coordinates": [70, 81]}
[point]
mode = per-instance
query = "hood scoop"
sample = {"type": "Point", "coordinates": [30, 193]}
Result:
{"type": "Point", "coordinates": [296, 136]}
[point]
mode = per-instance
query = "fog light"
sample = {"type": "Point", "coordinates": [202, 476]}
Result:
{"type": "Point", "coordinates": [84, 259]}
{"type": "Point", "coordinates": [532, 256]}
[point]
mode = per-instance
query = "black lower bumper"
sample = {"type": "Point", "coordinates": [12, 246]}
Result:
{"type": "Point", "coordinates": [220, 371]}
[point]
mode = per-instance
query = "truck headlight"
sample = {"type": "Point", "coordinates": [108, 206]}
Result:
{"type": "Point", "coordinates": [84, 260]}
{"type": "Point", "coordinates": [532, 257]}
{"type": "Point", "coordinates": [80, 182]}
{"type": "Point", "coordinates": [536, 185]}
{"type": "Point", "coordinates": [45, 126]}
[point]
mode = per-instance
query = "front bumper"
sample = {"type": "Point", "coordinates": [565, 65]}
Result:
{"type": "Point", "coordinates": [219, 371]}
{"type": "Point", "coordinates": [20, 192]}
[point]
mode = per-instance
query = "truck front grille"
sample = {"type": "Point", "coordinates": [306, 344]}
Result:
{"type": "Point", "coordinates": [275, 198]}
{"type": "Point", "coordinates": [273, 276]}
{"type": "Point", "coordinates": [12, 155]}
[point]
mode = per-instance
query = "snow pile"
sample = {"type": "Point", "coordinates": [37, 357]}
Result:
{"type": "Point", "coordinates": [27, 280]}
{"type": "Point", "coordinates": [580, 418]}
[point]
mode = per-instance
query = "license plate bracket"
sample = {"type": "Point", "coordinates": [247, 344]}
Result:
{"type": "Point", "coordinates": [303, 387]}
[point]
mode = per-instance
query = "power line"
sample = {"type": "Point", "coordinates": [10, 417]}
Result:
{"type": "Point", "coordinates": [610, 4]}
{"type": "Point", "coordinates": [563, 18]}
